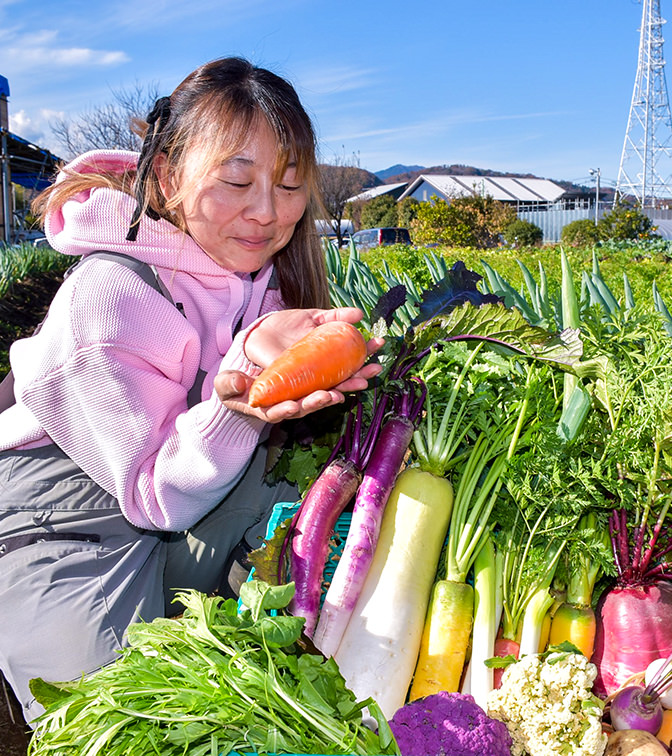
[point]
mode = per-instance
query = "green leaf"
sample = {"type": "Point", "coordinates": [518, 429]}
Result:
{"type": "Point", "coordinates": [259, 596]}
{"type": "Point", "coordinates": [501, 326]}
{"type": "Point", "coordinates": [47, 694]}
{"type": "Point", "coordinates": [280, 631]}
{"type": "Point", "coordinates": [499, 662]}
{"type": "Point", "coordinates": [566, 647]}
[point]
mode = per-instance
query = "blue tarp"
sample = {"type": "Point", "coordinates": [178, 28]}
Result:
{"type": "Point", "coordinates": [29, 165]}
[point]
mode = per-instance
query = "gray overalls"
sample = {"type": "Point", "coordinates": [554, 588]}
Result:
{"type": "Point", "coordinates": [74, 573]}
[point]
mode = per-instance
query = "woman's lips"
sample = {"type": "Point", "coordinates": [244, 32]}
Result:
{"type": "Point", "coordinates": [253, 242]}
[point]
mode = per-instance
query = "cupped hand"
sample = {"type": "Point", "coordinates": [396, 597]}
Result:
{"type": "Point", "coordinates": [281, 329]}
{"type": "Point", "coordinates": [269, 339]}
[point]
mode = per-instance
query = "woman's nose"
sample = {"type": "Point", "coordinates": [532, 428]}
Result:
{"type": "Point", "coordinates": [261, 206]}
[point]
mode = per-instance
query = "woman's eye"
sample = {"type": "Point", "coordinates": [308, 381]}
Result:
{"type": "Point", "coordinates": [290, 187]}
{"type": "Point", "coordinates": [236, 184]}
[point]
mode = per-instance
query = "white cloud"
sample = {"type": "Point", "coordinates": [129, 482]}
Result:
{"type": "Point", "coordinates": [35, 128]}
{"type": "Point", "coordinates": [40, 49]}
{"type": "Point", "coordinates": [335, 80]}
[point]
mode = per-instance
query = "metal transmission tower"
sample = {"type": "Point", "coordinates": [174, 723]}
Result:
{"type": "Point", "coordinates": [645, 171]}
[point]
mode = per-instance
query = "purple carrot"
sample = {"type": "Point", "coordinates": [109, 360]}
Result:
{"type": "Point", "coordinates": [323, 504]}
{"type": "Point", "coordinates": [378, 480]}
{"type": "Point", "coordinates": [313, 524]}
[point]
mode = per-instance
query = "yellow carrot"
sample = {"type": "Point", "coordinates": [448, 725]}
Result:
{"type": "Point", "coordinates": [480, 481]}
{"type": "Point", "coordinates": [575, 624]}
{"type": "Point", "coordinates": [574, 620]}
{"type": "Point", "coordinates": [445, 639]}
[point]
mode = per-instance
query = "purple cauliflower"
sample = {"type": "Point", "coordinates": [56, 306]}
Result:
{"type": "Point", "coordinates": [448, 724]}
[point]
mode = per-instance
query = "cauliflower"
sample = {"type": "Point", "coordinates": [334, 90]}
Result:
{"type": "Point", "coordinates": [547, 704]}
{"type": "Point", "coordinates": [448, 724]}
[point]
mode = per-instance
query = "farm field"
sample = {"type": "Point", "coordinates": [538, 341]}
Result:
{"type": "Point", "coordinates": [29, 277]}
{"type": "Point", "coordinates": [630, 272]}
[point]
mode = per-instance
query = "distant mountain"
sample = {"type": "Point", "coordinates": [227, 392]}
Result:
{"type": "Point", "coordinates": [396, 170]}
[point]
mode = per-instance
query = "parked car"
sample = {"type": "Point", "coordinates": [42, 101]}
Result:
{"type": "Point", "coordinates": [380, 237]}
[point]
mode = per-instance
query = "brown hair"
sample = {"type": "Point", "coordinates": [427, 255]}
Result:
{"type": "Point", "coordinates": [213, 111]}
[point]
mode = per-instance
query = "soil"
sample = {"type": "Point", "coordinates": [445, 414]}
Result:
{"type": "Point", "coordinates": [20, 312]}
{"type": "Point", "coordinates": [13, 730]}
{"type": "Point", "coordinates": [25, 306]}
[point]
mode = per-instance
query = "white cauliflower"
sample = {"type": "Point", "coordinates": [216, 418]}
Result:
{"type": "Point", "coordinates": [547, 704]}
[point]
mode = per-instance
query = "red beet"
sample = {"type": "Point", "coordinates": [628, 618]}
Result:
{"type": "Point", "coordinates": [634, 627]}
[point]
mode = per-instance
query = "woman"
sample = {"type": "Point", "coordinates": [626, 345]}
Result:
{"type": "Point", "coordinates": [130, 425]}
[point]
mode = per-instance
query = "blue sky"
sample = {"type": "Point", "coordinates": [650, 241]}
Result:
{"type": "Point", "coordinates": [532, 86]}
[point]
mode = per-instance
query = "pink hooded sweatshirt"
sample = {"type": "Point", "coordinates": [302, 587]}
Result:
{"type": "Point", "coordinates": [107, 376]}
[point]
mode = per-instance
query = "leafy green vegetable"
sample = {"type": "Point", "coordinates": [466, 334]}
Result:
{"type": "Point", "coordinates": [213, 681]}
{"type": "Point", "coordinates": [459, 285]}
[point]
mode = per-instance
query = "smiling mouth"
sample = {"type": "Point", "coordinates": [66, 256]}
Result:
{"type": "Point", "coordinates": [246, 242]}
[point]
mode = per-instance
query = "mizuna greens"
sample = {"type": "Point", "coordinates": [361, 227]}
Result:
{"type": "Point", "coordinates": [209, 683]}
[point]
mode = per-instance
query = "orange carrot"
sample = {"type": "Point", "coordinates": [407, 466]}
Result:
{"type": "Point", "coordinates": [323, 358]}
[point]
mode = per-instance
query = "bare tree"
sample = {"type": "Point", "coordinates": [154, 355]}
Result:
{"type": "Point", "coordinates": [341, 181]}
{"type": "Point", "coordinates": [107, 126]}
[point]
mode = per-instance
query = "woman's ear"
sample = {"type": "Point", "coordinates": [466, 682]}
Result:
{"type": "Point", "coordinates": [164, 175]}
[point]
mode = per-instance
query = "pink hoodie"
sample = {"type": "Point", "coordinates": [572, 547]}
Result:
{"type": "Point", "coordinates": [106, 378]}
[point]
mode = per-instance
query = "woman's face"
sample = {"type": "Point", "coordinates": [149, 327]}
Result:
{"type": "Point", "coordinates": [239, 213]}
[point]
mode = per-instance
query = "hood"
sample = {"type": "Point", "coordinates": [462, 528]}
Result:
{"type": "Point", "coordinates": [99, 219]}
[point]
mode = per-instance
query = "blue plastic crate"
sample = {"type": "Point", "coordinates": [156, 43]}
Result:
{"type": "Point", "coordinates": [285, 509]}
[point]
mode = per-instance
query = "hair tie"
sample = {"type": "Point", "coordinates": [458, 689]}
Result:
{"type": "Point", "coordinates": [157, 119]}
{"type": "Point", "coordinates": [160, 112]}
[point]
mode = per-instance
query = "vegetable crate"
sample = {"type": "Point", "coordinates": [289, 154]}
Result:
{"type": "Point", "coordinates": [283, 510]}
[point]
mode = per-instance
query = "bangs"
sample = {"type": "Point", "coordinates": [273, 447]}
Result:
{"type": "Point", "coordinates": [225, 129]}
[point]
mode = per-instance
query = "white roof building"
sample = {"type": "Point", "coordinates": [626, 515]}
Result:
{"type": "Point", "coordinates": [394, 189]}
{"type": "Point", "coordinates": [501, 188]}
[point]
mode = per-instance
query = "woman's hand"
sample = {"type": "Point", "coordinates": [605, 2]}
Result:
{"type": "Point", "coordinates": [269, 339]}
{"type": "Point", "coordinates": [281, 329]}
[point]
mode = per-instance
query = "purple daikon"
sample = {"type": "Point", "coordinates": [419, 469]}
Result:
{"type": "Point", "coordinates": [322, 506]}
{"type": "Point", "coordinates": [378, 480]}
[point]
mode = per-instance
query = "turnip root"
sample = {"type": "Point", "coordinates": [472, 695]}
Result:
{"type": "Point", "coordinates": [634, 743]}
